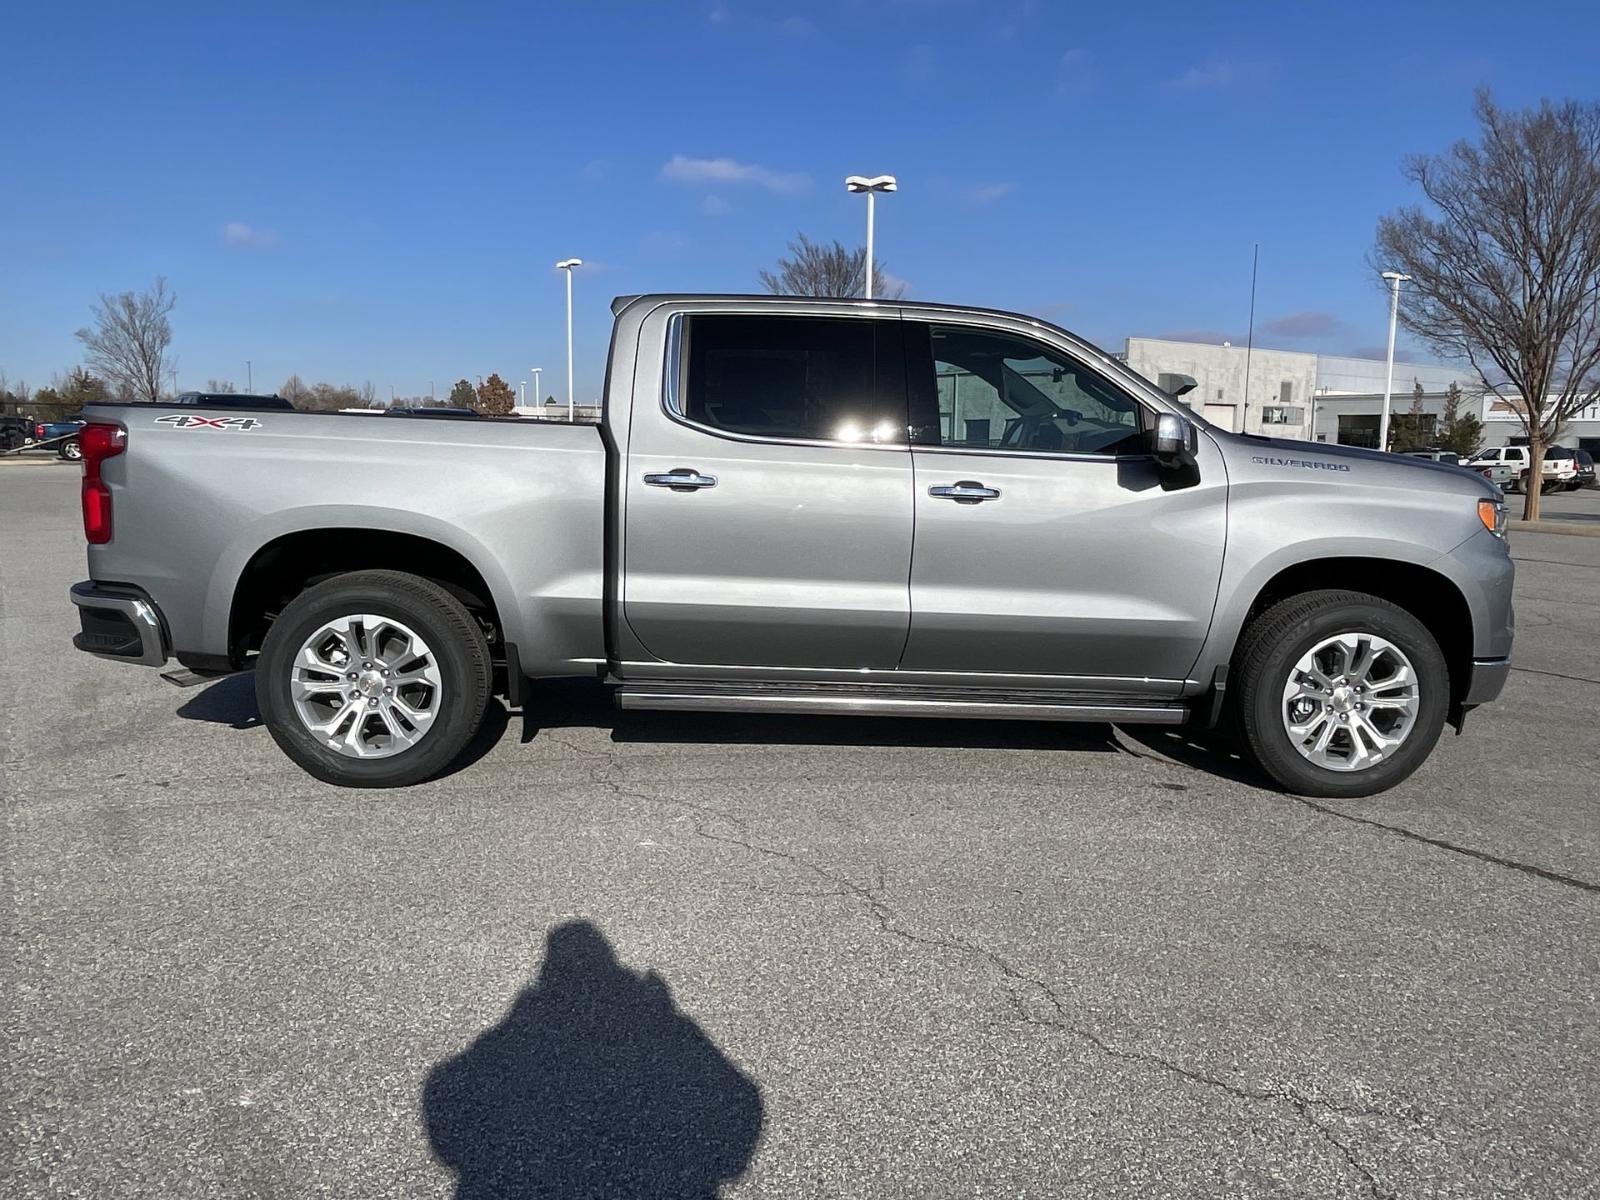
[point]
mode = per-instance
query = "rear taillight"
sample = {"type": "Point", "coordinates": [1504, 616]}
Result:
{"type": "Point", "coordinates": [38, 431]}
{"type": "Point", "coordinates": [98, 443]}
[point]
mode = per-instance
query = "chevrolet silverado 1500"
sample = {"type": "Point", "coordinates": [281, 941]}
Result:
{"type": "Point", "coordinates": [805, 506]}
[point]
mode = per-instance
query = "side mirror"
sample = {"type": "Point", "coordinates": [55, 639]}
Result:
{"type": "Point", "coordinates": [1172, 442]}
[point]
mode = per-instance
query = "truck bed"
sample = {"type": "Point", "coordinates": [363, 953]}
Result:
{"type": "Point", "coordinates": [200, 494]}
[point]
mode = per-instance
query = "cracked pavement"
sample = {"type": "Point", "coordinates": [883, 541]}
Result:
{"type": "Point", "coordinates": [955, 958]}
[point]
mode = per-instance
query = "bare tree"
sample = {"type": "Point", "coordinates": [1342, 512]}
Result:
{"type": "Point", "coordinates": [220, 387]}
{"type": "Point", "coordinates": [295, 391]}
{"type": "Point", "coordinates": [1506, 266]}
{"type": "Point", "coordinates": [128, 343]}
{"type": "Point", "coordinates": [813, 269]}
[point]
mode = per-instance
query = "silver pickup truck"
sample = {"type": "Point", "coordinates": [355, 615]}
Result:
{"type": "Point", "coordinates": [805, 506]}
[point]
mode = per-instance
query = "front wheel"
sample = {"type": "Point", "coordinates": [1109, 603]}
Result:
{"type": "Point", "coordinates": [373, 679]}
{"type": "Point", "coordinates": [1341, 694]}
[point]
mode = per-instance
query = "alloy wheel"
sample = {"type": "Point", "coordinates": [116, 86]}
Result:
{"type": "Point", "coordinates": [1350, 701]}
{"type": "Point", "coordinates": [366, 686]}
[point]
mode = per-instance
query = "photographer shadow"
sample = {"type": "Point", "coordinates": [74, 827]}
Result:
{"type": "Point", "coordinates": [594, 1084]}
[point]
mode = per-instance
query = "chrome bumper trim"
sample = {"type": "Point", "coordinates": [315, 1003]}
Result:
{"type": "Point", "coordinates": [139, 611]}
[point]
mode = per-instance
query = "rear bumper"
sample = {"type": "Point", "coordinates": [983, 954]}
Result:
{"type": "Point", "coordinates": [119, 623]}
{"type": "Point", "coordinates": [1487, 678]}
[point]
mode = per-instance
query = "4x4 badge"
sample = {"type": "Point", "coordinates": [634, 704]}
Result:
{"type": "Point", "coordinates": [194, 421]}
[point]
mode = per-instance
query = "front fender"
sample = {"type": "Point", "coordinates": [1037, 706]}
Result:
{"type": "Point", "coordinates": [1244, 581]}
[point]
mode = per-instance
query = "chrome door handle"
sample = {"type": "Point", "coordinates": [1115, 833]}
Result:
{"type": "Point", "coordinates": [681, 479]}
{"type": "Point", "coordinates": [965, 491]}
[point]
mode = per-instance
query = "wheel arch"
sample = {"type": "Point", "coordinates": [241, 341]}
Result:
{"type": "Point", "coordinates": [286, 565]}
{"type": "Point", "coordinates": [1428, 595]}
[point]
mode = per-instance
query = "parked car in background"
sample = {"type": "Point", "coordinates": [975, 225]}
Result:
{"type": "Point", "coordinates": [233, 400]}
{"type": "Point", "coordinates": [60, 436]}
{"type": "Point", "coordinates": [15, 432]}
{"type": "Point", "coordinates": [1498, 473]}
{"type": "Point", "coordinates": [1585, 465]}
{"type": "Point", "coordinates": [1558, 470]}
{"type": "Point", "coordinates": [430, 410]}
{"type": "Point", "coordinates": [1434, 454]}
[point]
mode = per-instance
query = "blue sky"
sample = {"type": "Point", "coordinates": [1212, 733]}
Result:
{"type": "Point", "coordinates": [378, 192]}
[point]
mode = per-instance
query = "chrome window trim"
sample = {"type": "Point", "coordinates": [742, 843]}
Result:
{"type": "Point", "coordinates": [1054, 455]}
{"type": "Point", "coordinates": [674, 384]}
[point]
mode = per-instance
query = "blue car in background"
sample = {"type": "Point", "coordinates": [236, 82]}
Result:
{"type": "Point", "coordinates": [53, 431]}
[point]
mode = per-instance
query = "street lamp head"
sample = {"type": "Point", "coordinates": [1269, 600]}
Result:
{"type": "Point", "coordinates": [878, 183]}
{"type": "Point", "coordinates": [1396, 277]}
{"type": "Point", "coordinates": [566, 264]}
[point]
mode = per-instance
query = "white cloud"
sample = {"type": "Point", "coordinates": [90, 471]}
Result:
{"type": "Point", "coordinates": [665, 241]}
{"type": "Point", "coordinates": [988, 193]}
{"type": "Point", "coordinates": [683, 169]}
{"type": "Point", "coordinates": [718, 13]}
{"type": "Point", "coordinates": [1076, 73]}
{"type": "Point", "coordinates": [237, 233]}
{"type": "Point", "coordinates": [919, 63]}
{"type": "Point", "coordinates": [891, 281]}
{"type": "Point", "coordinates": [1215, 74]}
{"type": "Point", "coordinates": [715, 206]}
{"type": "Point", "coordinates": [796, 27]}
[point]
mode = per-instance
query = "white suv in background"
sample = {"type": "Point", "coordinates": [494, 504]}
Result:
{"type": "Point", "coordinates": [1559, 469]}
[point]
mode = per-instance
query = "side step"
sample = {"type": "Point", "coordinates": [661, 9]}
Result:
{"type": "Point", "coordinates": [889, 700]}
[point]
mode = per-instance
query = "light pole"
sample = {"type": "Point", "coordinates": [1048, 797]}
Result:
{"type": "Point", "coordinates": [173, 375]}
{"type": "Point", "coordinates": [567, 265]}
{"type": "Point", "coordinates": [878, 183]}
{"type": "Point", "coordinates": [536, 371]}
{"type": "Point", "coordinates": [522, 394]}
{"type": "Point", "coordinates": [249, 378]}
{"type": "Point", "coordinates": [1395, 280]}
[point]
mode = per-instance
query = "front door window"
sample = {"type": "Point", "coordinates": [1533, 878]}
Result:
{"type": "Point", "coordinates": [999, 392]}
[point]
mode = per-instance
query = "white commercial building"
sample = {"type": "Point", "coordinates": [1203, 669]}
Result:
{"type": "Point", "coordinates": [1502, 426]}
{"type": "Point", "coordinates": [1247, 391]}
{"type": "Point", "coordinates": [1316, 397]}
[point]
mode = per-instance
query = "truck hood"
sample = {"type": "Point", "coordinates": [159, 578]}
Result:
{"type": "Point", "coordinates": [1372, 466]}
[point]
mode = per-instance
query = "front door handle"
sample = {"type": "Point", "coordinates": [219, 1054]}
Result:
{"type": "Point", "coordinates": [965, 491]}
{"type": "Point", "coordinates": [682, 479]}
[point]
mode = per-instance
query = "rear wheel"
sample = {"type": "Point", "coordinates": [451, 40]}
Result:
{"type": "Point", "coordinates": [71, 451]}
{"type": "Point", "coordinates": [1342, 694]}
{"type": "Point", "coordinates": [373, 679]}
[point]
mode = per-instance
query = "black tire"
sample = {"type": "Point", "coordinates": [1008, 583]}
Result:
{"type": "Point", "coordinates": [1272, 644]}
{"type": "Point", "coordinates": [71, 451]}
{"type": "Point", "coordinates": [454, 637]}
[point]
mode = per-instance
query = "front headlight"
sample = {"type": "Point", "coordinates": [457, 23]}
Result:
{"type": "Point", "coordinates": [1493, 515]}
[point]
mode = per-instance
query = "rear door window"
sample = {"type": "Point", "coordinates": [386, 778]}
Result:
{"type": "Point", "coordinates": [837, 379]}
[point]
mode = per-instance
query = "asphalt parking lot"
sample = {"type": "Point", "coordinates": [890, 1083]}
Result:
{"type": "Point", "coordinates": [644, 955]}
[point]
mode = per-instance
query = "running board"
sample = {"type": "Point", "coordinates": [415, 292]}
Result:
{"type": "Point", "coordinates": [895, 701]}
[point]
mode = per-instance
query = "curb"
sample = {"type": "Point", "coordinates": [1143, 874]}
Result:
{"type": "Point", "coordinates": [1570, 528]}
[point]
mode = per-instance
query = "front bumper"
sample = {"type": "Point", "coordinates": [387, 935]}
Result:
{"type": "Point", "coordinates": [119, 623]}
{"type": "Point", "coordinates": [1487, 678]}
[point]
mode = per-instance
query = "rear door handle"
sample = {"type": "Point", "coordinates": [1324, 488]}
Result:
{"type": "Point", "coordinates": [965, 491]}
{"type": "Point", "coordinates": [682, 479]}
